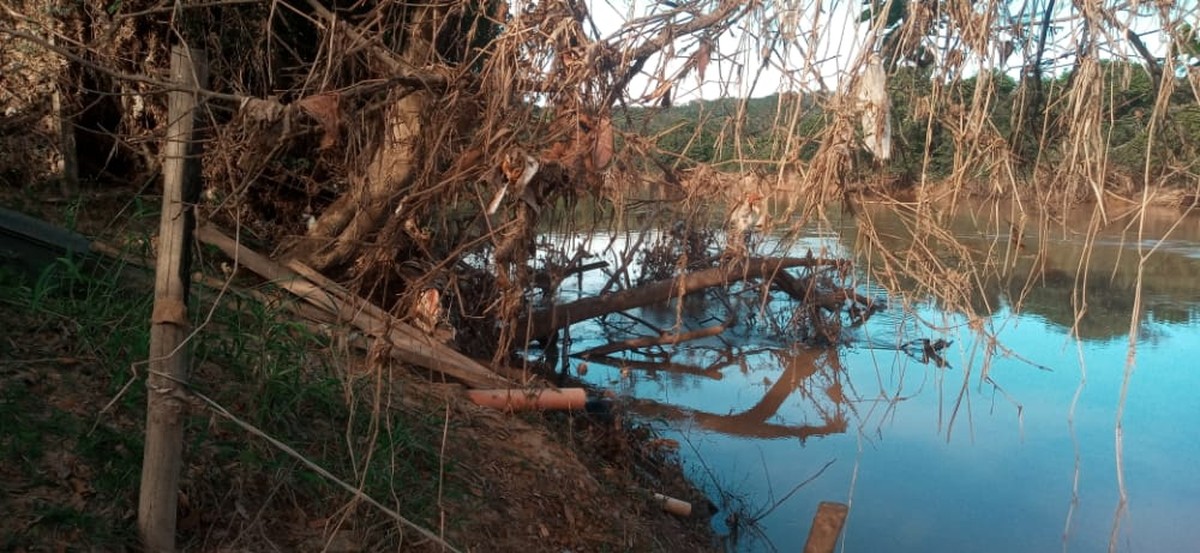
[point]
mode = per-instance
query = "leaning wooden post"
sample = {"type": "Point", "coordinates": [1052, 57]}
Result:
{"type": "Point", "coordinates": [826, 527]}
{"type": "Point", "coordinates": [169, 325]}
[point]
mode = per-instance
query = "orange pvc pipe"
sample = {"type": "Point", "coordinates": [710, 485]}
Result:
{"type": "Point", "coordinates": [674, 506]}
{"type": "Point", "coordinates": [518, 399]}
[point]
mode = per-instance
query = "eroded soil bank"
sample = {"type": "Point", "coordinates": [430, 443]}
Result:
{"type": "Point", "coordinates": [72, 409]}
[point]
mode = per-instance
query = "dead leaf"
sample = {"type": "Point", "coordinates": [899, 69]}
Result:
{"type": "Point", "coordinates": [428, 310]}
{"type": "Point", "coordinates": [466, 162]}
{"type": "Point", "coordinates": [269, 110]}
{"type": "Point", "coordinates": [513, 165]}
{"type": "Point", "coordinates": [324, 108]}
{"type": "Point", "coordinates": [664, 88]}
{"type": "Point", "coordinates": [702, 56]}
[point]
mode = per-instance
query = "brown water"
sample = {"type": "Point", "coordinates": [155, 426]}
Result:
{"type": "Point", "coordinates": [1012, 447]}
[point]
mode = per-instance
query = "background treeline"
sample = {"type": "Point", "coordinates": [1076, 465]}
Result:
{"type": "Point", "coordinates": [1027, 125]}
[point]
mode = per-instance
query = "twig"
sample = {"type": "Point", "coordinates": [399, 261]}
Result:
{"type": "Point", "coordinates": [793, 491]}
{"type": "Point", "coordinates": [165, 86]}
{"type": "Point", "coordinates": [660, 340]}
{"type": "Point", "coordinates": [220, 410]}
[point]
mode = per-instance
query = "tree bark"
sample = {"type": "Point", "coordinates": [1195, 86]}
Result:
{"type": "Point", "coordinates": [169, 326]}
{"type": "Point", "coordinates": [342, 229]}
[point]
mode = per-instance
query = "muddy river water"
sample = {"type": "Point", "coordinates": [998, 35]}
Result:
{"type": "Point", "coordinates": [1026, 440]}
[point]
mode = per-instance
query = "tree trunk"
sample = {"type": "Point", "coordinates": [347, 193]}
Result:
{"type": "Point", "coordinates": [341, 230]}
{"type": "Point", "coordinates": [68, 162]}
{"type": "Point", "coordinates": [540, 325]}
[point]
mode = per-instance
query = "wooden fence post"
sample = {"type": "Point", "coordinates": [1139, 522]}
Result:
{"type": "Point", "coordinates": [62, 111]}
{"type": "Point", "coordinates": [169, 325]}
{"type": "Point", "coordinates": [826, 527]}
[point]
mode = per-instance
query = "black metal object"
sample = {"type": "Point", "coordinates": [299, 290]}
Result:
{"type": "Point", "coordinates": [29, 245]}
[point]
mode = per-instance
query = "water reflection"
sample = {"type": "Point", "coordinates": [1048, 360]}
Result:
{"type": "Point", "coordinates": [1053, 267]}
{"type": "Point", "coordinates": [991, 452]}
{"type": "Point", "coordinates": [813, 375]}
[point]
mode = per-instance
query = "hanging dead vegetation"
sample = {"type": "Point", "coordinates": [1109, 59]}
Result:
{"type": "Point", "coordinates": [408, 147]}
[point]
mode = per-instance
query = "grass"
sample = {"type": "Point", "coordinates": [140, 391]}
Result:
{"type": "Point", "coordinates": [82, 331]}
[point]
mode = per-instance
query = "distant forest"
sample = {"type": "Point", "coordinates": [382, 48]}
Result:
{"type": "Point", "coordinates": [1028, 125]}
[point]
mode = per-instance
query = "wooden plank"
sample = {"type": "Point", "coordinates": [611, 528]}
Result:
{"type": "Point", "coordinates": [408, 344]}
{"type": "Point", "coordinates": [826, 527]}
{"type": "Point", "coordinates": [169, 326]}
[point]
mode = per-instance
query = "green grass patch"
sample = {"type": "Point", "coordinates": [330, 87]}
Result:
{"type": "Point", "coordinates": [82, 334]}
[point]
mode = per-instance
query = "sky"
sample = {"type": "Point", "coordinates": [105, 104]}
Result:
{"type": "Point", "coordinates": [818, 44]}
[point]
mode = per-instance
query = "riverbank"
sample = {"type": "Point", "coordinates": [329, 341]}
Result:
{"type": "Point", "coordinates": [72, 410]}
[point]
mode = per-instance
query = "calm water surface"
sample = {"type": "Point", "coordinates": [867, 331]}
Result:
{"type": "Point", "coordinates": [1010, 448]}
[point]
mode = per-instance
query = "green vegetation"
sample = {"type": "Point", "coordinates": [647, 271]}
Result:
{"type": "Point", "coordinates": [79, 336]}
{"type": "Point", "coordinates": [722, 132]}
{"type": "Point", "coordinates": [941, 143]}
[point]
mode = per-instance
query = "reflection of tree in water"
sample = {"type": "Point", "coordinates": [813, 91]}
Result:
{"type": "Point", "coordinates": [1108, 307]}
{"type": "Point", "coordinates": [1109, 303]}
{"type": "Point", "coordinates": [816, 374]}
{"type": "Point", "coordinates": [1042, 268]}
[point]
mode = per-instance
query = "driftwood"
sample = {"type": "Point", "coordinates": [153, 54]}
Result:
{"type": "Point", "coordinates": [713, 372]}
{"type": "Point", "coordinates": [408, 344]}
{"type": "Point", "coordinates": [664, 338]}
{"type": "Point", "coordinates": [541, 324]}
{"type": "Point", "coordinates": [802, 289]}
{"type": "Point", "coordinates": [549, 280]}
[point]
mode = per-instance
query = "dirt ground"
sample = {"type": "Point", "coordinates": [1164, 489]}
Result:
{"type": "Point", "coordinates": [70, 453]}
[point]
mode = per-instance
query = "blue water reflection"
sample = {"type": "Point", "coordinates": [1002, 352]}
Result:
{"type": "Point", "coordinates": [1011, 448]}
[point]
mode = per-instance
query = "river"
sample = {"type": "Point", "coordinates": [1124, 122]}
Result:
{"type": "Point", "coordinates": [1026, 440]}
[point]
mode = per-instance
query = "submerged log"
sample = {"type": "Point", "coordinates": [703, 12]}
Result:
{"type": "Point", "coordinates": [713, 372]}
{"type": "Point", "coordinates": [541, 324]}
{"type": "Point", "coordinates": [664, 338]}
{"type": "Point", "coordinates": [804, 290]}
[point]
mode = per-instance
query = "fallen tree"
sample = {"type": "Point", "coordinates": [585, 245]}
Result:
{"type": "Point", "coordinates": [539, 325]}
